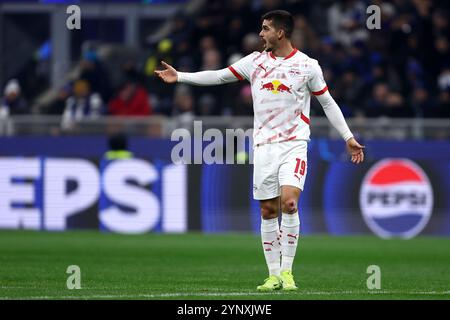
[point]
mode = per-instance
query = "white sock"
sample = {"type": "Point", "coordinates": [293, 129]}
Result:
{"type": "Point", "coordinates": [289, 233]}
{"type": "Point", "coordinates": [270, 240]}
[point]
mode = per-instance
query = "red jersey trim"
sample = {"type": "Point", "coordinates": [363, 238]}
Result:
{"type": "Point", "coordinates": [318, 93]}
{"type": "Point", "coordinates": [285, 58]}
{"type": "Point", "coordinates": [290, 138]}
{"type": "Point", "coordinates": [304, 118]}
{"type": "Point", "coordinates": [236, 74]}
{"type": "Point", "coordinates": [291, 54]}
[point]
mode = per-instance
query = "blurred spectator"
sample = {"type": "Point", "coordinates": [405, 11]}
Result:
{"type": "Point", "coordinates": [244, 106]}
{"type": "Point", "coordinates": [377, 103]}
{"type": "Point", "coordinates": [387, 102]}
{"type": "Point", "coordinates": [378, 69]}
{"type": "Point", "coordinates": [358, 59]}
{"type": "Point", "coordinates": [118, 147]}
{"type": "Point", "coordinates": [327, 52]}
{"type": "Point", "coordinates": [348, 92]}
{"type": "Point", "coordinates": [346, 21]}
{"type": "Point", "coordinates": [130, 71]}
{"type": "Point", "coordinates": [183, 51]}
{"type": "Point", "coordinates": [396, 107]}
{"type": "Point", "coordinates": [444, 103]}
{"type": "Point", "coordinates": [263, 7]}
{"type": "Point", "coordinates": [183, 106]}
{"type": "Point", "coordinates": [227, 99]}
{"type": "Point", "coordinates": [304, 37]}
{"type": "Point", "coordinates": [93, 71]}
{"type": "Point", "coordinates": [235, 30]}
{"type": "Point", "coordinates": [440, 23]}
{"type": "Point", "coordinates": [12, 101]}
{"type": "Point", "coordinates": [83, 104]}
{"type": "Point", "coordinates": [207, 105]}
{"type": "Point", "coordinates": [251, 43]}
{"type": "Point", "coordinates": [162, 94]}
{"type": "Point", "coordinates": [207, 43]}
{"type": "Point", "coordinates": [209, 21]}
{"type": "Point", "coordinates": [163, 53]}
{"type": "Point", "coordinates": [181, 29]}
{"type": "Point", "coordinates": [211, 60]}
{"type": "Point", "coordinates": [415, 74]}
{"type": "Point", "coordinates": [422, 102]}
{"type": "Point", "coordinates": [444, 78]}
{"type": "Point", "coordinates": [131, 100]}
{"type": "Point", "coordinates": [377, 37]}
{"type": "Point", "coordinates": [442, 56]}
{"type": "Point", "coordinates": [59, 104]}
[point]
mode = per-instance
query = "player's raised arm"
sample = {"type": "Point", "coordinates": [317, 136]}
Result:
{"type": "Point", "coordinates": [202, 78]}
{"type": "Point", "coordinates": [238, 71]}
{"type": "Point", "coordinates": [334, 114]}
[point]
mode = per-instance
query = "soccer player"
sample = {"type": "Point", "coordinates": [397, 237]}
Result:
{"type": "Point", "coordinates": [282, 81]}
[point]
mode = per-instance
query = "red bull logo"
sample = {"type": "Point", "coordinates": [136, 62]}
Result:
{"type": "Point", "coordinates": [275, 87]}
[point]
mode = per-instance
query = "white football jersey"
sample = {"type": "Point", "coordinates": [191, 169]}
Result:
{"type": "Point", "coordinates": [281, 91]}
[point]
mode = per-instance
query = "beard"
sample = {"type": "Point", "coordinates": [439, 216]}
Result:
{"type": "Point", "coordinates": [267, 47]}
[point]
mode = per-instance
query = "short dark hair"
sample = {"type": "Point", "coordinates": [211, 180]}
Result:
{"type": "Point", "coordinates": [281, 19]}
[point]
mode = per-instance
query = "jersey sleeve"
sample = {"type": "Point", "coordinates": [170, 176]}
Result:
{"type": "Point", "coordinates": [334, 115]}
{"type": "Point", "coordinates": [206, 78]}
{"type": "Point", "coordinates": [242, 68]}
{"type": "Point", "coordinates": [239, 70]}
{"type": "Point", "coordinates": [316, 83]}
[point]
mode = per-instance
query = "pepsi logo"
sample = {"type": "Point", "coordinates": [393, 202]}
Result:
{"type": "Point", "coordinates": [396, 198]}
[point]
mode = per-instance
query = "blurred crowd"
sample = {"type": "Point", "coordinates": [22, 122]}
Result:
{"type": "Point", "coordinates": [399, 70]}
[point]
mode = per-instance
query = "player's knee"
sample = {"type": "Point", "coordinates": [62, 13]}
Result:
{"type": "Point", "coordinates": [269, 211]}
{"type": "Point", "coordinates": [289, 205]}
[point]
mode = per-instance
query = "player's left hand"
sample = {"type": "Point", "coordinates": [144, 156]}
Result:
{"type": "Point", "coordinates": [355, 150]}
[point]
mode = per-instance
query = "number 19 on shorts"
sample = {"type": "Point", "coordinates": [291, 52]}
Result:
{"type": "Point", "coordinates": [300, 167]}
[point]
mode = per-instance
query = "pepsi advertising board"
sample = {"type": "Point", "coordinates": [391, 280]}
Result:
{"type": "Point", "coordinates": [126, 196]}
{"type": "Point", "coordinates": [396, 198]}
{"type": "Point", "coordinates": [401, 190]}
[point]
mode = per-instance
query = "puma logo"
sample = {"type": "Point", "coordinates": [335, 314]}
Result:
{"type": "Point", "coordinates": [262, 67]}
{"type": "Point", "coordinates": [293, 235]}
{"type": "Point", "coordinates": [270, 243]}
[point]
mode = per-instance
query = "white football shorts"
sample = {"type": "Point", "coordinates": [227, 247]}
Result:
{"type": "Point", "coordinates": [276, 165]}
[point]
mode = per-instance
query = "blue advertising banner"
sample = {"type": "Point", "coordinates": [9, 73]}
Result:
{"type": "Point", "coordinates": [59, 183]}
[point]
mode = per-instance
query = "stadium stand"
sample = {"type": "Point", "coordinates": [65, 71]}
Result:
{"type": "Point", "coordinates": [399, 71]}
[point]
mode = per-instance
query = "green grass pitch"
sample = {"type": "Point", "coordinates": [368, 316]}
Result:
{"type": "Point", "coordinates": [222, 266]}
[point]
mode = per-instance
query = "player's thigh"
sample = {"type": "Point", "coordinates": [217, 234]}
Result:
{"type": "Point", "coordinates": [265, 174]}
{"type": "Point", "coordinates": [294, 166]}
